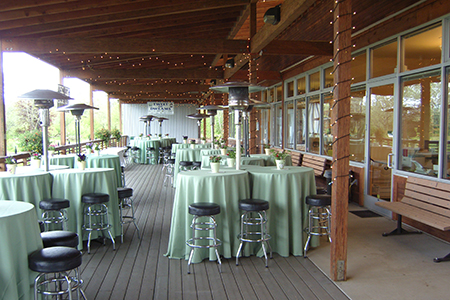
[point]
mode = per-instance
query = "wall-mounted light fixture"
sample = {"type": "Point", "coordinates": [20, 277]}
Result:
{"type": "Point", "coordinates": [229, 63]}
{"type": "Point", "coordinates": [273, 15]}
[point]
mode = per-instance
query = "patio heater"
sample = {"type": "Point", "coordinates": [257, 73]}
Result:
{"type": "Point", "coordinates": [43, 100]}
{"type": "Point", "coordinates": [77, 111]}
{"type": "Point", "coordinates": [211, 110]}
{"type": "Point", "coordinates": [197, 116]}
{"type": "Point", "coordinates": [161, 120]}
{"type": "Point", "coordinates": [147, 119]}
{"type": "Point", "coordinates": [238, 100]}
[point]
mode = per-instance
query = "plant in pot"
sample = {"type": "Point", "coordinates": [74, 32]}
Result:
{"type": "Point", "coordinates": [192, 142]}
{"type": "Point", "coordinates": [231, 158]}
{"type": "Point", "coordinates": [185, 138]}
{"type": "Point", "coordinates": [88, 147]}
{"type": "Point", "coordinates": [11, 164]}
{"type": "Point", "coordinates": [203, 139]}
{"type": "Point", "coordinates": [97, 149]}
{"type": "Point", "coordinates": [223, 146]}
{"type": "Point", "coordinates": [267, 149]}
{"type": "Point", "coordinates": [81, 161]}
{"type": "Point", "coordinates": [51, 149]}
{"type": "Point", "coordinates": [280, 157]}
{"type": "Point", "coordinates": [36, 160]}
{"type": "Point", "coordinates": [215, 163]}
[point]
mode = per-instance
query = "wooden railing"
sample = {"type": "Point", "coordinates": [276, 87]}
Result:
{"type": "Point", "coordinates": [24, 157]}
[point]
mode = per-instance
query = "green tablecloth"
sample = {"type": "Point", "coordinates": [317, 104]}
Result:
{"type": "Point", "coordinates": [19, 236]}
{"type": "Point", "coordinates": [65, 160]}
{"type": "Point", "coordinates": [166, 142]}
{"type": "Point", "coordinates": [185, 154]}
{"type": "Point", "coordinates": [71, 184]}
{"type": "Point", "coordinates": [209, 152]}
{"type": "Point", "coordinates": [143, 145]}
{"type": "Point", "coordinates": [226, 189]}
{"type": "Point", "coordinates": [286, 191]}
{"type": "Point", "coordinates": [32, 187]}
{"type": "Point", "coordinates": [270, 160]}
{"type": "Point", "coordinates": [256, 161]}
{"type": "Point", "coordinates": [106, 161]}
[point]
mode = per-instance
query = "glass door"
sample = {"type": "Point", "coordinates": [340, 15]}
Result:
{"type": "Point", "coordinates": [379, 145]}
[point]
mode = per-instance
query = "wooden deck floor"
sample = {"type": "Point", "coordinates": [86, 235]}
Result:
{"type": "Point", "coordinates": [138, 268]}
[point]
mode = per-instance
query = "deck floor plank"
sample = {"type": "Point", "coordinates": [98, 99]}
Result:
{"type": "Point", "coordinates": [138, 268]}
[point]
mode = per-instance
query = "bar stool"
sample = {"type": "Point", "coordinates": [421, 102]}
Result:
{"type": "Point", "coordinates": [151, 155]}
{"type": "Point", "coordinates": [122, 175]}
{"type": "Point", "coordinates": [59, 238]}
{"type": "Point", "coordinates": [54, 212]}
{"type": "Point", "coordinates": [169, 168]}
{"type": "Point", "coordinates": [196, 165]}
{"type": "Point", "coordinates": [96, 216]}
{"type": "Point", "coordinates": [125, 201]}
{"type": "Point", "coordinates": [135, 154]}
{"type": "Point", "coordinates": [161, 155]}
{"type": "Point", "coordinates": [201, 210]}
{"type": "Point", "coordinates": [185, 166]}
{"type": "Point", "coordinates": [319, 217]}
{"type": "Point", "coordinates": [253, 219]}
{"type": "Point", "coordinates": [58, 269]}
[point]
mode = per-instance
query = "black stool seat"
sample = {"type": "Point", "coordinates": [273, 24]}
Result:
{"type": "Point", "coordinates": [95, 198]}
{"type": "Point", "coordinates": [150, 149]}
{"type": "Point", "coordinates": [125, 192]}
{"type": "Point", "coordinates": [54, 204]}
{"type": "Point", "coordinates": [204, 209]}
{"type": "Point", "coordinates": [318, 200]}
{"type": "Point", "coordinates": [59, 238]}
{"type": "Point", "coordinates": [171, 161]}
{"type": "Point", "coordinates": [197, 163]}
{"type": "Point", "coordinates": [185, 163]}
{"type": "Point", "coordinates": [253, 205]}
{"type": "Point", "coordinates": [135, 148]}
{"type": "Point", "coordinates": [54, 259]}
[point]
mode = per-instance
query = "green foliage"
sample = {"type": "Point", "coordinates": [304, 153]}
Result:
{"type": "Point", "coordinates": [231, 154]}
{"type": "Point", "coordinates": [116, 134]}
{"type": "Point", "coordinates": [103, 134]}
{"type": "Point", "coordinates": [31, 141]}
{"type": "Point", "coordinates": [279, 155]}
{"type": "Point", "coordinates": [215, 158]}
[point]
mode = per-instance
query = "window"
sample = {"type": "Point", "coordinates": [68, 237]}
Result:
{"type": "Point", "coordinates": [301, 86]}
{"type": "Point", "coordinates": [279, 90]}
{"type": "Point", "coordinates": [290, 124]}
{"type": "Point", "coordinates": [420, 121]}
{"type": "Point", "coordinates": [314, 82]}
{"type": "Point", "coordinates": [326, 124]}
{"type": "Point", "coordinates": [384, 60]}
{"type": "Point", "coordinates": [358, 68]}
{"type": "Point", "coordinates": [265, 126]}
{"type": "Point", "coordinates": [301, 122]}
{"type": "Point", "coordinates": [278, 129]}
{"type": "Point", "coordinates": [290, 89]}
{"type": "Point", "coordinates": [357, 123]}
{"type": "Point", "coordinates": [314, 124]}
{"type": "Point", "coordinates": [423, 48]}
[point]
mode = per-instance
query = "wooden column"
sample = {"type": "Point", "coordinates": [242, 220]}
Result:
{"type": "Point", "coordinates": [226, 118]}
{"type": "Point", "coordinates": [91, 112]}
{"type": "Point", "coordinates": [253, 80]}
{"type": "Point", "coordinates": [2, 109]}
{"type": "Point", "coordinates": [340, 118]}
{"type": "Point", "coordinates": [108, 108]}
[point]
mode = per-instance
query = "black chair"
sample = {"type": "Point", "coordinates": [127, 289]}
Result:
{"type": "Point", "coordinates": [196, 165]}
{"type": "Point", "coordinates": [185, 166]}
{"type": "Point", "coordinates": [126, 201]}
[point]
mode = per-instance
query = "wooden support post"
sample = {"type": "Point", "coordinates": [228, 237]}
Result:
{"type": "Point", "coordinates": [340, 118]}
{"type": "Point", "coordinates": [2, 110]}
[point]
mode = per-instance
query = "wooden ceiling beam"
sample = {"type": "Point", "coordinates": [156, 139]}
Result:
{"type": "Point", "coordinates": [146, 74]}
{"type": "Point", "coordinates": [123, 45]}
{"type": "Point", "coordinates": [239, 61]}
{"type": "Point", "coordinates": [152, 88]}
{"type": "Point", "coordinates": [290, 11]}
{"type": "Point", "coordinates": [279, 47]}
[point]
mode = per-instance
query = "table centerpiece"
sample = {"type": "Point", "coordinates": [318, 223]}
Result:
{"type": "Point", "coordinates": [11, 164]}
{"type": "Point", "coordinates": [81, 161]}
{"type": "Point", "coordinates": [36, 160]}
{"type": "Point", "coordinates": [215, 163]}
{"type": "Point", "coordinates": [231, 158]}
{"type": "Point", "coordinates": [280, 157]}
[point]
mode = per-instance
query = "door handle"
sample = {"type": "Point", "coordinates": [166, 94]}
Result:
{"type": "Point", "coordinates": [390, 165]}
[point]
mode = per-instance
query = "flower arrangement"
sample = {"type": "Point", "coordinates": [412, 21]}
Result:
{"type": "Point", "coordinates": [203, 138]}
{"type": "Point", "coordinates": [89, 145]}
{"type": "Point", "coordinates": [279, 155]}
{"type": "Point", "coordinates": [103, 134]}
{"type": "Point", "coordinates": [31, 141]}
{"type": "Point", "coordinates": [116, 134]}
{"type": "Point", "coordinates": [231, 154]}
{"type": "Point", "coordinates": [149, 135]}
{"type": "Point", "coordinates": [52, 147]}
{"type": "Point", "coordinates": [192, 142]}
{"type": "Point", "coordinates": [223, 145]}
{"type": "Point", "coordinates": [266, 146]}
{"type": "Point", "coordinates": [167, 135]}
{"type": "Point", "coordinates": [81, 157]}
{"type": "Point", "coordinates": [9, 160]}
{"type": "Point", "coordinates": [215, 158]}
{"type": "Point", "coordinates": [141, 135]}
{"type": "Point", "coordinates": [97, 147]}
{"type": "Point", "coordinates": [36, 155]}
{"type": "Point", "coordinates": [160, 135]}
{"type": "Point", "coordinates": [185, 137]}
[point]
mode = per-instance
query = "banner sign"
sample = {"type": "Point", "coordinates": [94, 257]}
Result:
{"type": "Point", "coordinates": [63, 90]}
{"type": "Point", "coordinates": [160, 108]}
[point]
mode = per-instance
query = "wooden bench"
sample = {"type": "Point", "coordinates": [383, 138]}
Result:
{"type": "Point", "coordinates": [319, 164]}
{"type": "Point", "coordinates": [425, 201]}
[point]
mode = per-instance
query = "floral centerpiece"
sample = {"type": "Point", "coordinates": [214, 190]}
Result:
{"type": "Point", "coordinates": [192, 142]}
{"type": "Point", "coordinates": [167, 135]}
{"type": "Point", "coordinates": [81, 158]}
{"type": "Point", "coordinates": [215, 163]}
{"type": "Point", "coordinates": [36, 160]}
{"type": "Point", "coordinates": [51, 149]}
{"type": "Point", "coordinates": [280, 157]}
{"type": "Point", "coordinates": [141, 135]}
{"type": "Point", "coordinates": [185, 137]}
{"type": "Point", "coordinates": [36, 156]}
{"type": "Point", "coordinates": [11, 164]}
{"type": "Point", "coordinates": [267, 149]}
{"type": "Point", "coordinates": [223, 146]}
{"type": "Point", "coordinates": [88, 147]}
{"type": "Point", "coordinates": [97, 148]}
{"type": "Point", "coordinates": [231, 158]}
{"type": "Point", "coordinates": [203, 139]}
{"type": "Point", "coordinates": [160, 135]}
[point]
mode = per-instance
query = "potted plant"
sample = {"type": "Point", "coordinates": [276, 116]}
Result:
{"type": "Point", "coordinates": [141, 135]}
{"type": "Point", "coordinates": [97, 149]}
{"type": "Point", "coordinates": [192, 142]}
{"type": "Point", "coordinates": [167, 135]}
{"type": "Point", "coordinates": [203, 139]}
{"type": "Point", "coordinates": [81, 161]}
{"type": "Point", "coordinates": [36, 160]}
{"type": "Point", "coordinates": [51, 149]}
{"type": "Point", "coordinates": [280, 157]}
{"type": "Point", "coordinates": [231, 158]}
{"type": "Point", "coordinates": [223, 146]}
{"type": "Point", "coordinates": [11, 164]}
{"type": "Point", "coordinates": [185, 138]}
{"type": "Point", "coordinates": [160, 136]}
{"type": "Point", "coordinates": [88, 147]}
{"type": "Point", "coordinates": [267, 149]}
{"type": "Point", "coordinates": [215, 163]}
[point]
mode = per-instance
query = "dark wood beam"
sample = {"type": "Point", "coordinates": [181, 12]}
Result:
{"type": "Point", "coordinates": [146, 74]}
{"type": "Point", "coordinates": [240, 60]}
{"type": "Point", "coordinates": [152, 88]}
{"type": "Point", "coordinates": [290, 11]}
{"type": "Point", "coordinates": [122, 45]}
{"type": "Point", "coordinates": [279, 47]}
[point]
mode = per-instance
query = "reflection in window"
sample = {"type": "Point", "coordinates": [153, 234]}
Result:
{"type": "Point", "coordinates": [271, 95]}
{"type": "Point", "coordinates": [265, 126]}
{"type": "Point", "coordinates": [290, 89]}
{"type": "Point", "coordinates": [301, 86]}
{"type": "Point", "coordinates": [327, 136]}
{"type": "Point", "coordinates": [278, 132]}
{"type": "Point", "coordinates": [290, 124]}
{"type": "Point", "coordinates": [384, 60]}
{"type": "Point", "coordinates": [328, 74]}
{"type": "Point", "coordinates": [301, 122]}
{"type": "Point", "coordinates": [422, 49]}
{"type": "Point", "coordinates": [314, 82]}
{"type": "Point", "coordinates": [279, 93]}
{"type": "Point", "coordinates": [358, 68]}
{"type": "Point", "coordinates": [314, 124]}
{"type": "Point", "coordinates": [357, 123]}
{"type": "Point", "coordinates": [421, 106]}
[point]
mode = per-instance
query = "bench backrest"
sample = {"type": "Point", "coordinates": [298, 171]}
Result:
{"type": "Point", "coordinates": [319, 164]}
{"type": "Point", "coordinates": [428, 195]}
